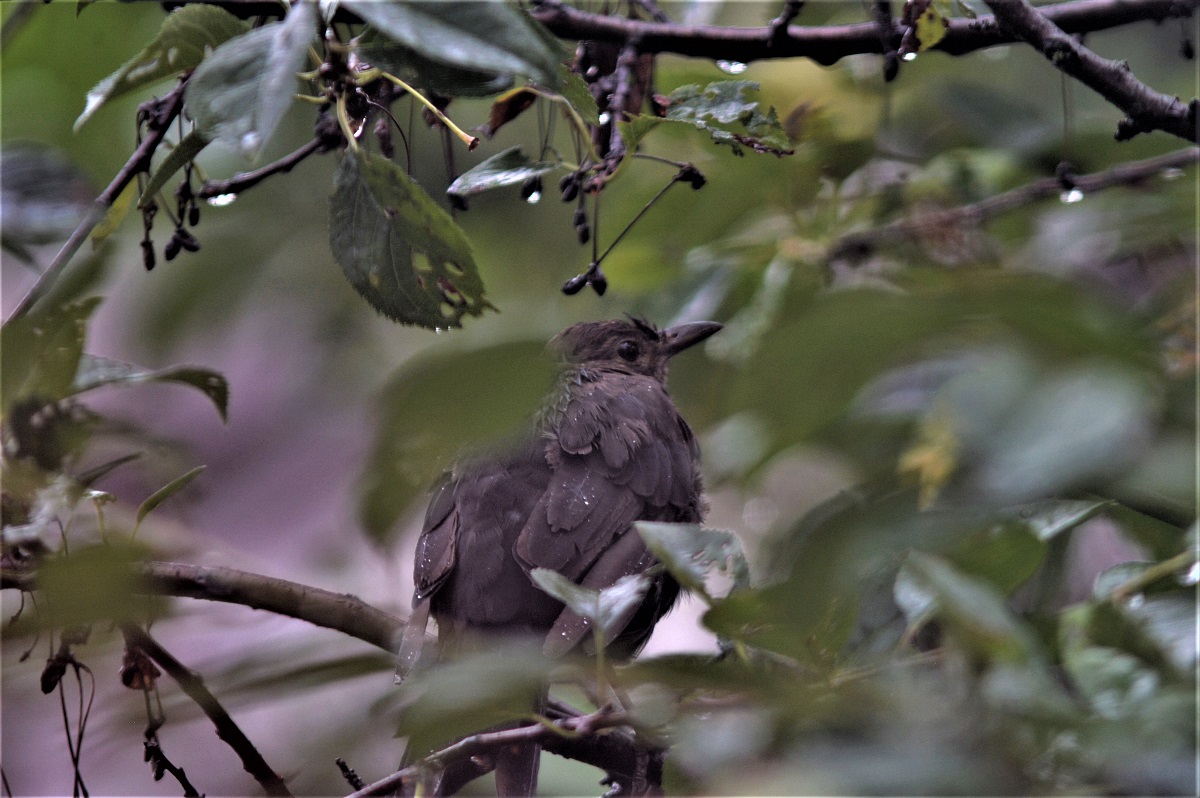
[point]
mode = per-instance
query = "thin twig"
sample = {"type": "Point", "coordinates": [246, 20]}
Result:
{"type": "Point", "coordinates": [244, 180]}
{"type": "Point", "coordinates": [490, 741]}
{"type": "Point", "coordinates": [911, 227]}
{"type": "Point", "coordinates": [169, 108]}
{"type": "Point", "coordinates": [1146, 108]}
{"type": "Point", "coordinates": [1140, 582]}
{"type": "Point", "coordinates": [227, 730]}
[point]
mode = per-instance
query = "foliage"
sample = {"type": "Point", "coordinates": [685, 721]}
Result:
{"type": "Point", "coordinates": [993, 393]}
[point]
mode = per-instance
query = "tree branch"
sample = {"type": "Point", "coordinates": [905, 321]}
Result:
{"type": "Point", "coordinates": [166, 109]}
{"type": "Point", "coordinates": [829, 43]}
{"type": "Point", "coordinates": [227, 730]}
{"type": "Point", "coordinates": [582, 726]}
{"type": "Point", "coordinates": [240, 182]}
{"type": "Point", "coordinates": [1146, 108]}
{"type": "Point", "coordinates": [912, 227]}
{"type": "Point", "coordinates": [338, 611]}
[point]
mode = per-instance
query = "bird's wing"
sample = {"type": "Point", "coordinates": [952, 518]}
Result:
{"type": "Point", "coordinates": [437, 546]}
{"type": "Point", "coordinates": [619, 452]}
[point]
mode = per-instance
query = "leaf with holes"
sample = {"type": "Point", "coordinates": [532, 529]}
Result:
{"type": "Point", "coordinates": [186, 37]}
{"type": "Point", "coordinates": [402, 252]}
{"type": "Point", "coordinates": [503, 169]}
{"type": "Point", "coordinates": [239, 94]}
{"type": "Point", "coordinates": [95, 371]}
{"type": "Point", "coordinates": [725, 110]}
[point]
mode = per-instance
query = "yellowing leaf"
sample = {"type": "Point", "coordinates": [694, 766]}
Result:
{"type": "Point", "coordinates": [115, 215]}
{"type": "Point", "coordinates": [933, 457]}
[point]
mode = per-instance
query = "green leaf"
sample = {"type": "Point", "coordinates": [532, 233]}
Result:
{"type": "Point", "coordinates": [503, 169]}
{"type": "Point", "coordinates": [690, 551]}
{"type": "Point", "coordinates": [186, 150]}
{"type": "Point", "coordinates": [421, 432]}
{"type": "Point", "coordinates": [469, 695]}
{"type": "Point", "coordinates": [1050, 518]}
{"type": "Point", "coordinates": [402, 252]}
{"type": "Point", "coordinates": [481, 36]}
{"type": "Point", "coordinates": [602, 607]}
{"type": "Point", "coordinates": [725, 110]}
{"type": "Point", "coordinates": [40, 352]}
{"type": "Point", "coordinates": [98, 583]}
{"type": "Point", "coordinates": [574, 90]}
{"type": "Point", "coordinates": [972, 609]}
{"type": "Point", "coordinates": [433, 76]}
{"type": "Point", "coordinates": [187, 35]}
{"type": "Point", "coordinates": [166, 491]}
{"type": "Point", "coordinates": [95, 371]}
{"type": "Point", "coordinates": [240, 92]}
{"type": "Point", "coordinates": [115, 214]}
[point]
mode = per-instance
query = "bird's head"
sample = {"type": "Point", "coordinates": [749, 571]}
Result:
{"type": "Point", "coordinates": [633, 346]}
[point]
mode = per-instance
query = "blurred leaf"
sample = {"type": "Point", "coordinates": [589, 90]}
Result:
{"type": "Point", "coordinates": [166, 491]}
{"type": "Point", "coordinates": [433, 76]}
{"type": "Point", "coordinates": [690, 551]}
{"type": "Point", "coordinates": [1050, 518]}
{"type": "Point", "coordinates": [98, 583]}
{"type": "Point", "coordinates": [503, 169]}
{"type": "Point", "coordinates": [240, 92]}
{"type": "Point", "coordinates": [472, 694]}
{"type": "Point", "coordinates": [186, 150]}
{"type": "Point", "coordinates": [603, 607]}
{"type": "Point", "coordinates": [115, 214]}
{"type": "Point", "coordinates": [1084, 422]}
{"type": "Point", "coordinates": [187, 35]}
{"type": "Point", "coordinates": [95, 474]}
{"type": "Point", "coordinates": [44, 194]}
{"type": "Point", "coordinates": [1162, 539]}
{"type": "Point", "coordinates": [399, 250]}
{"type": "Point", "coordinates": [973, 610]}
{"type": "Point", "coordinates": [485, 36]}
{"type": "Point", "coordinates": [1170, 622]}
{"type": "Point", "coordinates": [95, 371]}
{"type": "Point", "coordinates": [422, 430]}
{"type": "Point", "coordinates": [40, 352]}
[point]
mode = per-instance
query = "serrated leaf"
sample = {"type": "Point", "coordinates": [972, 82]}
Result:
{"type": "Point", "coordinates": [727, 112]}
{"type": "Point", "coordinates": [433, 76]}
{"type": "Point", "coordinates": [40, 352]}
{"type": "Point", "coordinates": [485, 36]}
{"type": "Point", "coordinates": [690, 551]}
{"type": "Point", "coordinates": [240, 92]}
{"type": "Point", "coordinates": [95, 371]}
{"type": "Point", "coordinates": [186, 150]}
{"type": "Point", "coordinates": [166, 491]}
{"type": "Point", "coordinates": [574, 90]}
{"type": "Point", "coordinates": [399, 250]}
{"type": "Point", "coordinates": [505, 168]}
{"type": "Point", "coordinates": [187, 35]}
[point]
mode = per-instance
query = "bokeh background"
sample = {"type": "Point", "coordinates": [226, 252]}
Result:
{"type": "Point", "coordinates": [312, 368]}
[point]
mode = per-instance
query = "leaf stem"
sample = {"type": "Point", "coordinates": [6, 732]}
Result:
{"type": "Point", "coordinates": [344, 122]}
{"type": "Point", "coordinates": [1152, 574]}
{"type": "Point", "coordinates": [471, 141]}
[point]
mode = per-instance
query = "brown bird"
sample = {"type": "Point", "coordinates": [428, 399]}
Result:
{"type": "Point", "coordinates": [609, 448]}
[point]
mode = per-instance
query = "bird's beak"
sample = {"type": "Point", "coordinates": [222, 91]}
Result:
{"type": "Point", "coordinates": [681, 336]}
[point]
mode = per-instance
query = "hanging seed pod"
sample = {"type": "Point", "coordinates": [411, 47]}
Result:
{"type": "Point", "coordinates": [575, 284]}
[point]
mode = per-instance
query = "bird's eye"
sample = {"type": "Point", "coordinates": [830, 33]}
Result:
{"type": "Point", "coordinates": [628, 350]}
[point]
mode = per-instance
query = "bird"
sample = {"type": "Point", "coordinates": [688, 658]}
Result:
{"type": "Point", "coordinates": [607, 448]}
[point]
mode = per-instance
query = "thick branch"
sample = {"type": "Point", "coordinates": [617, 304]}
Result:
{"type": "Point", "coordinates": [1146, 108]}
{"type": "Point", "coordinates": [912, 227]}
{"type": "Point", "coordinates": [338, 611]}
{"type": "Point", "coordinates": [829, 43]}
{"type": "Point", "coordinates": [227, 730]}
